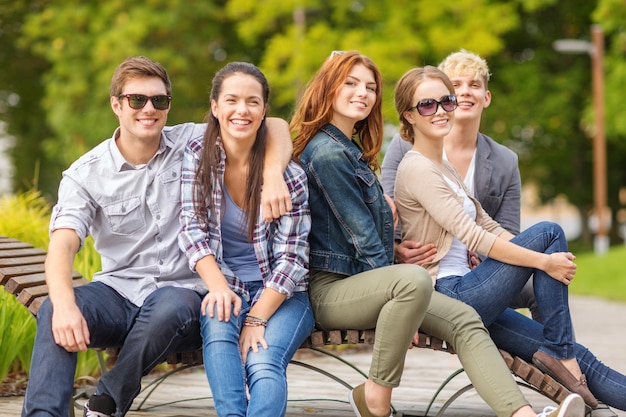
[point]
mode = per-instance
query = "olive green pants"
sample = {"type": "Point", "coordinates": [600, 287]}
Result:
{"type": "Point", "coordinates": [458, 324]}
{"type": "Point", "coordinates": [392, 299]}
{"type": "Point", "coordinates": [381, 298]}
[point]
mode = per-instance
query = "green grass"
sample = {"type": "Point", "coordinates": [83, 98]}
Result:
{"type": "Point", "coordinates": [16, 333]}
{"type": "Point", "coordinates": [601, 276]}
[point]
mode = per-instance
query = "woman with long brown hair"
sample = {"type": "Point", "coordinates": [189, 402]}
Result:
{"type": "Point", "coordinates": [256, 313]}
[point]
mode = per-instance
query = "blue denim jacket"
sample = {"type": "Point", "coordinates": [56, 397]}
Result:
{"type": "Point", "coordinates": [352, 224]}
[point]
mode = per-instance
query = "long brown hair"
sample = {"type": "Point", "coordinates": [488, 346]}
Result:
{"type": "Point", "coordinates": [315, 108]}
{"type": "Point", "coordinates": [210, 156]}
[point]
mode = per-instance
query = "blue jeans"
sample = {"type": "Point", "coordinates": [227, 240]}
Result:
{"type": "Point", "coordinates": [265, 371]}
{"type": "Point", "coordinates": [167, 322]}
{"type": "Point", "coordinates": [522, 337]}
{"type": "Point", "coordinates": [493, 285]}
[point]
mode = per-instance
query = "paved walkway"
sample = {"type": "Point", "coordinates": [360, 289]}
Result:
{"type": "Point", "coordinates": [599, 325]}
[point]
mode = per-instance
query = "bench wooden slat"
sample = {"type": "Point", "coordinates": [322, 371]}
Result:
{"type": "Point", "coordinates": [14, 244]}
{"type": "Point", "coordinates": [15, 271]}
{"type": "Point", "coordinates": [369, 336]}
{"type": "Point", "coordinates": [535, 377]}
{"type": "Point", "coordinates": [20, 253]}
{"type": "Point", "coordinates": [426, 341]}
{"type": "Point", "coordinates": [16, 284]}
{"type": "Point", "coordinates": [4, 239]}
{"type": "Point", "coordinates": [28, 295]}
{"type": "Point", "coordinates": [24, 260]}
{"type": "Point", "coordinates": [35, 304]}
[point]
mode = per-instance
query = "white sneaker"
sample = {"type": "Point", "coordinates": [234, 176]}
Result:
{"type": "Point", "coordinates": [572, 406]}
{"type": "Point", "coordinates": [93, 413]}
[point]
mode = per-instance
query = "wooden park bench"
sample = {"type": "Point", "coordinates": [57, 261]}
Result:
{"type": "Point", "coordinates": [22, 274]}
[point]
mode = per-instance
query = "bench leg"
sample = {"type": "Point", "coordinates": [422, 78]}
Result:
{"type": "Point", "coordinates": [441, 387]}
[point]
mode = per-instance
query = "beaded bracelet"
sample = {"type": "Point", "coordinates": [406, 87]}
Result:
{"type": "Point", "coordinates": [254, 321]}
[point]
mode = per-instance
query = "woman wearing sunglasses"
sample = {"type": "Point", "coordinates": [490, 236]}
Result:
{"type": "Point", "coordinates": [257, 312]}
{"type": "Point", "coordinates": [338, 134]}
{"type": "Point", "coordinates": [438, 208]}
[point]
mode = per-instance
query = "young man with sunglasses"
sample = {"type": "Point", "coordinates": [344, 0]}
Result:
{"type": "Point", "coordinates": [126, 193]}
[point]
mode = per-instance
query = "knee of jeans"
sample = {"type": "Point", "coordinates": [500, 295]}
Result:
{"type": "Point", "coordinates": [214, 330]}
{"type": "Point", "coordinates": [172, 302]}
{"type": "Point", "coordinates": [552, 227]}
{"type": "Point", "coordinates": [259, 366]}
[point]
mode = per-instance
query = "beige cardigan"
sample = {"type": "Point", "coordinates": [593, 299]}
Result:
{"type": "Point", "coordinates": [430, 211]}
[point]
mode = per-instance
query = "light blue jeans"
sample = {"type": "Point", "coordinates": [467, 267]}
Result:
{"type": "Point", "coordinates": [265, 371]}
{"type": "Point", "coordinates": [493, 285]}
{"type": "Point", "coordinates": [167, 322]}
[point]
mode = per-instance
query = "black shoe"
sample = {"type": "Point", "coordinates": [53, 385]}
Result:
{"type": "Point", "coordinates": [100, 406]}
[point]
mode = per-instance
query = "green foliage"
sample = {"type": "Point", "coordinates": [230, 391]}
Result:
{"type": "Point", "coordinates": [297, 36]}
{"type": "Point", "coordinates": [21, 93]}
{"type": "Point", "coordinates": [58, 57]}
{"type": "Point", "coordinates": [25, 217]}
{"type": "Point", "coordinates": [17, 331]}
{"type": "Point", "coordinates": [540, 98]}
{"type": "Point", "coordinates": [85, 41]}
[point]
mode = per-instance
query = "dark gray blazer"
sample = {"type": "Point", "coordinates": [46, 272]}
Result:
{"type": "Point", "coordinates": [497, 182]}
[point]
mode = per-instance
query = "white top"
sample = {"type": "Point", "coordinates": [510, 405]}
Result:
{"type": "Point", "coordinates": [469, 175]}
{"type": "Point", "coordinates": [456, 261]}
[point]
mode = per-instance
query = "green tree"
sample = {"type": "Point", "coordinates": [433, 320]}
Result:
{"type": "Point", "coordinates": [611, 15]}
{"type": "Point", "coordinates": [542, 100]}
{"type": "Point", "coordinates": [397, 35]}
{"type": "Point", "coordinates": [543, 104]}
{"type": "Point", "coordinates": [21, 91]}
{"type": "Point", "coordinates": [81, 43]}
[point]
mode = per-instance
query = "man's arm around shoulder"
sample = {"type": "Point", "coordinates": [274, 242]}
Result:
{"type": "Point", "coordinates": [275, 197]}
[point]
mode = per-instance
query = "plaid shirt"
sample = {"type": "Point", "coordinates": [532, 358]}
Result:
{"type": "Point", "coordinates": [281, 246]}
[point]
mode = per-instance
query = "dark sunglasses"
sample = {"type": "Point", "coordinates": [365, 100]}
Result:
{"type": "Point", "coordinates": [138, 101]}
{"type": "Point", "coordinates": [428, 106]}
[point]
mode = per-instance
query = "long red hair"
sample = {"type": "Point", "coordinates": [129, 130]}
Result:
{"type": "Point", "coordinates": [315, 108]}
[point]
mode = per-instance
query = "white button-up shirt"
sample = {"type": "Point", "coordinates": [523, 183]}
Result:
{"type": "Point", "coordinates": [132, 214]}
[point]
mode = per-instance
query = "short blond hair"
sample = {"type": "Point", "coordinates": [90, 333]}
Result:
{"type": "Point", "coordinates": [464, 62]}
